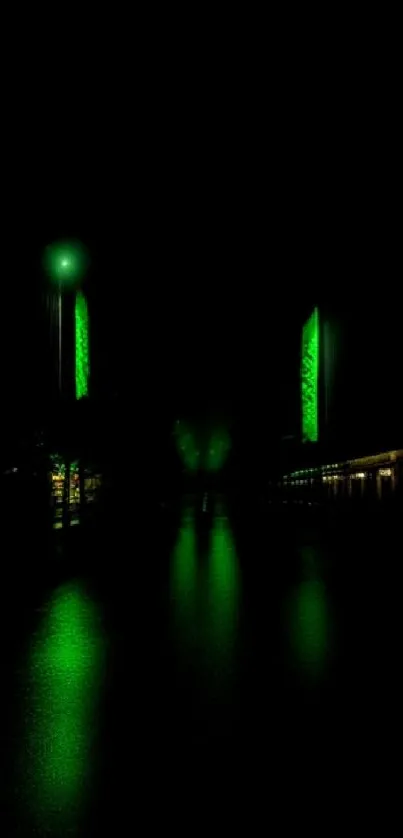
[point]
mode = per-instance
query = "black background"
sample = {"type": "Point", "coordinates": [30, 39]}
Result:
{"type": "Point", "coordinates": [216, 211]}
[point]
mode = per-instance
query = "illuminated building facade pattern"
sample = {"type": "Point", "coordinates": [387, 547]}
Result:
{"type": "Point", "coordinates": [310, 378]}
{"type": "Point", "coordinates": [82, 346]}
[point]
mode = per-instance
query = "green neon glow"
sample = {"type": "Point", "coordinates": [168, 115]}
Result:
{"type": "Point", "coordinates": [82, 346]}
{"type": "Point", "coordinates": [310, 378]}
{"type": "Point", "coordinates": [65, 679]}
{"type": "Point", "coordinates": [65, 262]}
{"type": "Point", "coordinates": [201, 448]}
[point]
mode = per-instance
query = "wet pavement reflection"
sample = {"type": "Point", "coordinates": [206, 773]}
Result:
{"type": "Point", "coordinates": [205, 603]}
{"type": "Point", "coordinates": [184, 660]}
{"type": "Point", "coordinates": [63, 683]}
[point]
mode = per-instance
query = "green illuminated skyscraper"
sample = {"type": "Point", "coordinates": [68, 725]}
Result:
{"type": "Point", "coordinates": [310, 378]}
{"type": "Point", "coordinates": [82, 351]}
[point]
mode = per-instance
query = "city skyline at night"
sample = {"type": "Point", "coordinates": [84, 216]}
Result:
{"type": "Point", "coordinates": [204, 344]}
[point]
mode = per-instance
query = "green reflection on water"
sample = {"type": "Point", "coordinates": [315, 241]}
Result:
{"type": "Point", "coordinates": [65, 670]}
{"type": "Point", "coordinates": [184, 571]}
{"type": "Point", "coordinates": [222, 593]}
{"type": "Point", "coordinates": [310, 621]}
{"type": "Point", "coordinates": [311, 624]}
{"type": "Point", "coordinates": [205, 586]}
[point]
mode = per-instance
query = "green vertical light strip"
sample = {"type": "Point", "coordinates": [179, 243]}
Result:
{"type": "Point", "coordinates": [205, 598]}
{"type": "Point", "coordinates": [310, 378]}
{"type": "Point", "coordinates": [183, 568]}
{"type": "Point", "coordinates": [183, 591]}
{"type": "Point", "coordinates": [82, 346]}
{"type": "Point", "coordinates": [64, 683]}
{"type": "Point", "coordinates": [223, 595]}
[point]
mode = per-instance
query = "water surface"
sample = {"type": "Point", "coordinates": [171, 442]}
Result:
{"type": "Point", "coordinates": [191, 658]}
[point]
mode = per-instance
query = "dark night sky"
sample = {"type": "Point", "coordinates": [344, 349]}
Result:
{"type": "Point", "coordinates": [211, 233]}
{"type": "Point", "coordinates": [187, 312]}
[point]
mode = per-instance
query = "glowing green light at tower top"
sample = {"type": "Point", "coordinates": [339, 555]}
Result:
{"type": "Point", "coordinates": [65, 262]}
{"type": "Point", "coordinates": [310, 378]}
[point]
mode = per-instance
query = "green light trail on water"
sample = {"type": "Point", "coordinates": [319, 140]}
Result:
{"type": "Point", "coordinates": [184, 568]}
{"type": "Point", "coordinates": [65, 677]}
{"type": "Point", "coordinates": [205, 599]}
{"type": "Point", "coordinates": [184, 591]}
{"type": "Point", "coordinates": [223, 598]}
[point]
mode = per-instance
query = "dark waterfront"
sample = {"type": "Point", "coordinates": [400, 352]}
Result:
{"type": "Point", "coordinates": [201, 468]}
{"type": "Point", "coordinates": [196, 662]}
